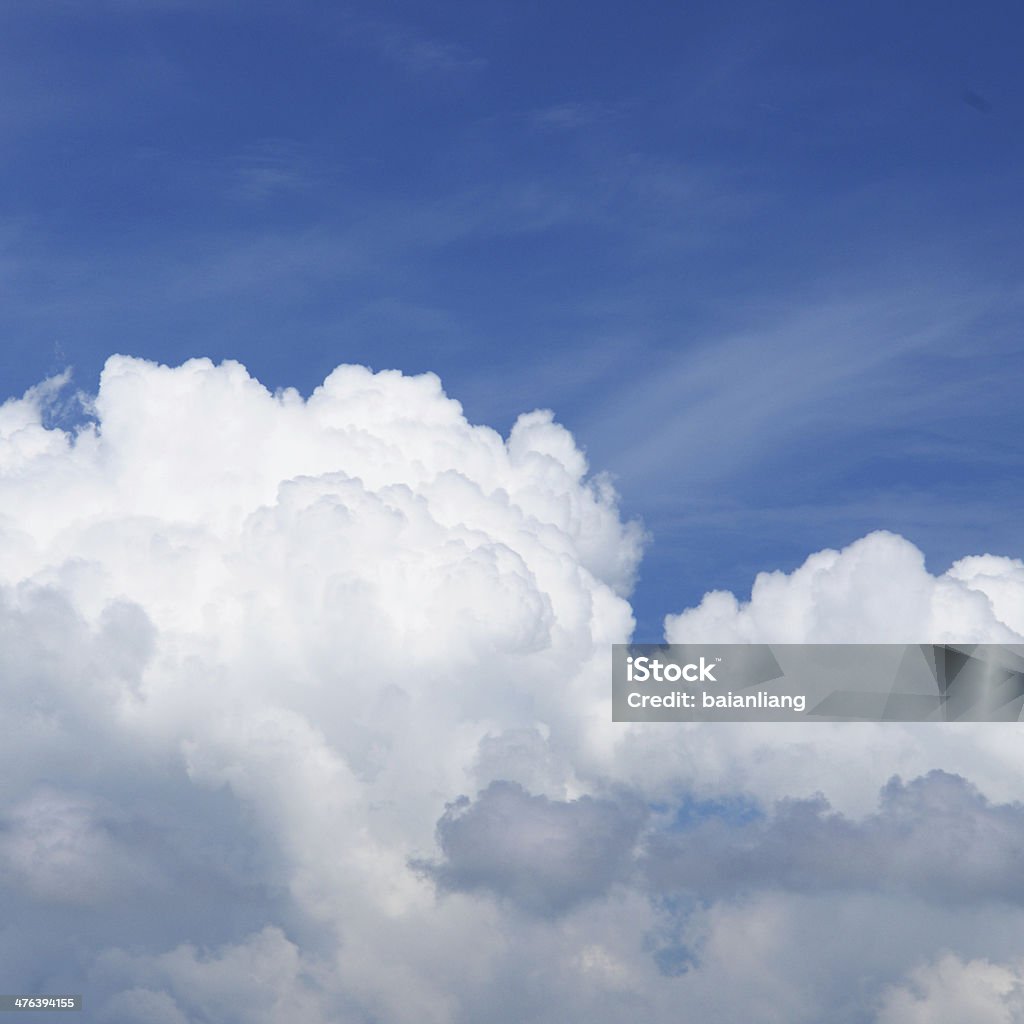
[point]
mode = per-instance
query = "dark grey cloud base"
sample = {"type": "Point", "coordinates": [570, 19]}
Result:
{"type": "Point", "coordinates": [546, 856]}
{"type": "Point", "coordinates": [936, 839]}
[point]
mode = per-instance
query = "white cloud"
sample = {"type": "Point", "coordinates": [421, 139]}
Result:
{"type": "Point", "coordinates": [950, 991]}
{"type": "Point", "coordinates": [264, 979]}
{"type": "Point", "coordinates": [254, 645]}
{"type": "Point", "coordinates": [329, 610]}
{"type": "Point", "coordinates": [877, 590]}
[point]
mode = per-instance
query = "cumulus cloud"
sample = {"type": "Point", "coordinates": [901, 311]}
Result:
{"type": "Point", "coordinates": [259, 650]}
{"type": "Point", "coordinates": [877, 590]}
{"type": "Point", "coordinates": [59, 849]}
{"type": "Point", "coordinates": [950, 991]}
{"type": "Point", "coordinates": [936, 838]}
{"type": "Point", "coordinates": [254, 643]}
{"type": "Point", "coordinates": [544, 855]}
{"type": "Point", "coordinates": [264, 979]}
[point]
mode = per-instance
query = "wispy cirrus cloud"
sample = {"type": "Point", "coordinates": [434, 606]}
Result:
{"type": "Point", "coordinates": [571, 115]}
{"type": "Point", "coordinates": [414, 51]}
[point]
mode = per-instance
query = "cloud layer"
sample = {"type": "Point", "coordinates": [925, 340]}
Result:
{"type": "Point", "coordinates": [314, 691]}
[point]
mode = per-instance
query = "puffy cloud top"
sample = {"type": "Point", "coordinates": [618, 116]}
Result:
{"type": "Point", "coordinates": [877, 590]}
{"type": "Point", "coordinates": [254, 643]}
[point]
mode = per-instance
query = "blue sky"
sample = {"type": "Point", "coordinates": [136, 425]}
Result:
{"type": "Point", "coordinates": [306, 703]}
{"type": "Point", "coordinates": [764, 261]}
